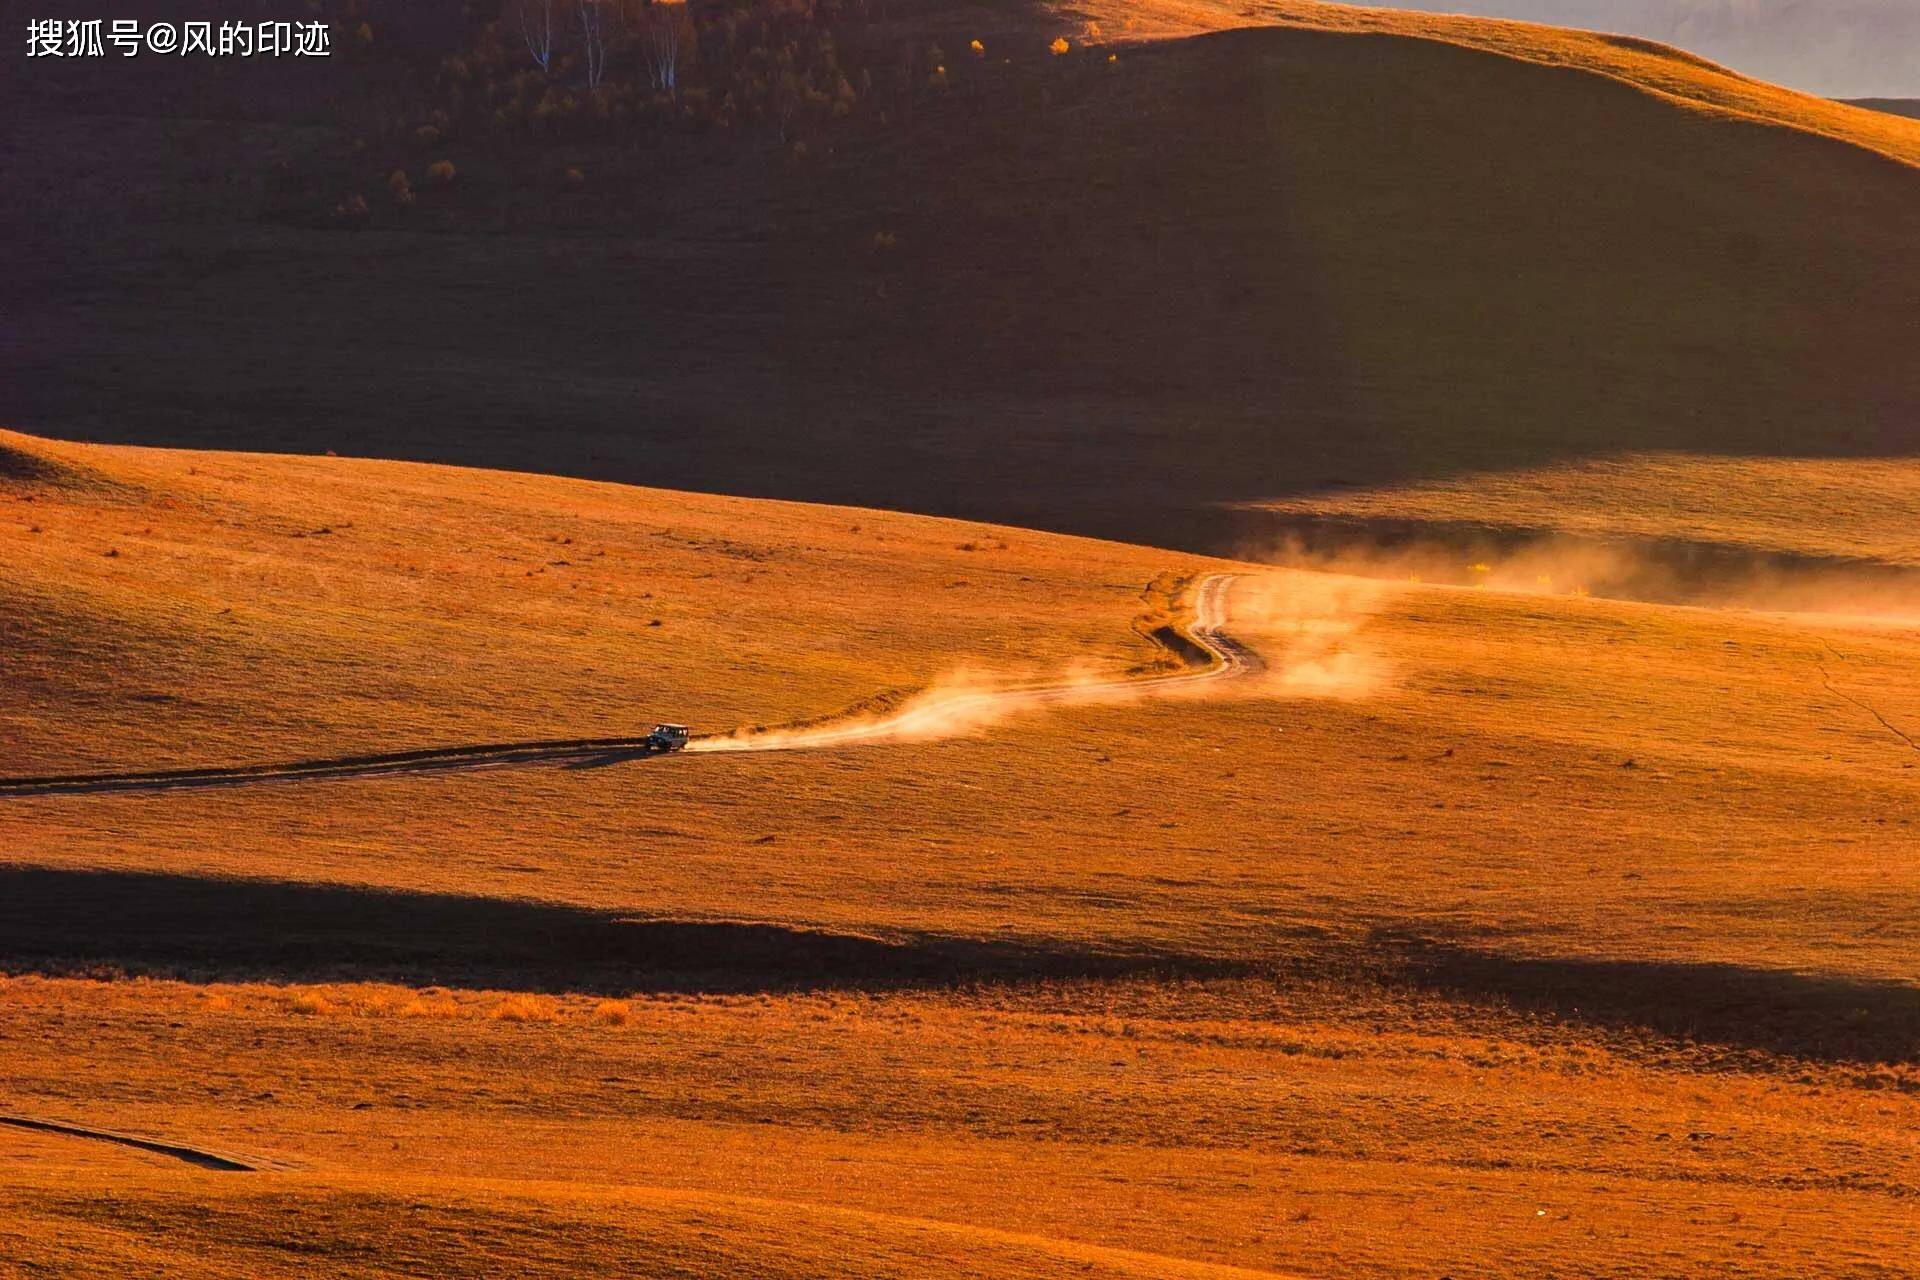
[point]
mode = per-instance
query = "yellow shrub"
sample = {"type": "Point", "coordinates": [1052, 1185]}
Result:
{"type": "Point", "coordinates": [522, 1009]}
{"type": "Point", "coordinates": [309, 1004]}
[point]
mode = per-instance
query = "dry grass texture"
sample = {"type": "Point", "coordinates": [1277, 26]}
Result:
{"type": "Point", "coordinates": [1490, 932]}
{"type": "Point", "coordinates": [1522, 917]}
{"type": "Point", "coordinates": [175, 609]}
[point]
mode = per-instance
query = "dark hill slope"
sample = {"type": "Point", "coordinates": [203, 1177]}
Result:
{"type": "Point", "coordinates": [1241, 265]}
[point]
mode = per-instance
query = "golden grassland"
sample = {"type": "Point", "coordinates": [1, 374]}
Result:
{"type": "Point", "coordinates": [171, 609]}
{"type": "Point", "coordinates": [1161, 1128]}
{"type": "Point", "coordinates": [1584, 776]}
{"type": "Point", "coordinates": [1489, 932]}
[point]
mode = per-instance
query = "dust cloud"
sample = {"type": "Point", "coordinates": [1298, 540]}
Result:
{"type": "Point", "coordinates": [1649, 571]}
{"type": "Point", "coordinates": [960, 704]}
{"type": "Point", "coordinates": [1311, 630]}
{"type": "Point", "coordinates": [1282, 635]}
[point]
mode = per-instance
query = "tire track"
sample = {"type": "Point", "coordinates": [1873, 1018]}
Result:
{"type": "Point", "coordinates": [431, 760]}
{"type": "Point", "coordinates": [199, 1156]}
{"type": "Point", "coordinates": [1225, 658]}
{"type": "Point", "coordinates": [1826, 678]}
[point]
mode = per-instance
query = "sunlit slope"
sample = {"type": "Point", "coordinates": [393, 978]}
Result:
{"type": "Point", "coordinates": [1839, 49]}
{"type": "Point", "coordinates": [264, 609]}
{"type": "Point", "coordinates": [1663, 69]}
{"type": "Point", "coordinates": [1156, 1128]}
{"type": "Point", "coordinates": [1599, 918]}
{"type": "Point", "coordinates": [162, 608]}
{"type": "Point", "coordinates": [368, 1228]}
{"type": "Point", "coordinates": [1489, 933]}
{"type": "Point", "coordinates": [1550, 774]}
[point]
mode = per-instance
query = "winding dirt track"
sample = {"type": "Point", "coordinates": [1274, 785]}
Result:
{"type": "Point", "coordinates": [1225, 658]}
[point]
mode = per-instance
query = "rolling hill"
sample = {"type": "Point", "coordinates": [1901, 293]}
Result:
{"type": "Point", "coordinates": [1491, 929]}
{"type": "Point", "coordinates": [1342, 247]}
{"type": "Point", "coordinates": [1518, 880]}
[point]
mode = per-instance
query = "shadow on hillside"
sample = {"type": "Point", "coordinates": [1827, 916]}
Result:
{"type": "Point", "coordinates": [1233, 267]}
{"type": "Point", "coordinates": [1824, 1018]}
{"type": "Point", "coordinates": [206, 929]}
{"type": "Point", "coordinates": [16, 464]}
{"type": "Point", "coordinates": [1616, 566]}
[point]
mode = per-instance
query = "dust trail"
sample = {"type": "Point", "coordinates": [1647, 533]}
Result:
{"type": "Point", "coordinates": [959, 707]}
{"type": "Point", "coordinates": [1316, 621]}
{"type": "Point", "coordinates": [1319, 664]}
{"type": "Point", "coordinates": [1313, 624]}
{"type": "Point", "coordinates": [1562, 564]}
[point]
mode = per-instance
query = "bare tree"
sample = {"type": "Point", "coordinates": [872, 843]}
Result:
{"type": "Point", "coordinates": [788, 93]}
{"type": "Point", "coordinates": [536, 27]}
{"type": "Point", "coordinates": [666, 31]}
{"type": "Point", "coordinates": [593, 34]}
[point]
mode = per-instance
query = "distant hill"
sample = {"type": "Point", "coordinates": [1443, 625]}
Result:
{"type": "Point", "coordinates": [1836, 48]}
{"type": "Point", "coordinates": [1350, 248]}
{"type": "Point", "coordinates": [1892, 106]}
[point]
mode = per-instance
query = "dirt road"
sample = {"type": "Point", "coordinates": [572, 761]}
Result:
{"type": "Point", "coordinates": [1218, 656]}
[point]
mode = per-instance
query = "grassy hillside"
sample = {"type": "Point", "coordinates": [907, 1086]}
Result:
{"type": "Point", "coordinates": [1494, 932]}
{"type": "Point", "coordinates": [162, 608]}
{"type": "Point", "coordinates": [1093, 295]}
{"type": "Point", "coordinates": [1533, 926]}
